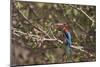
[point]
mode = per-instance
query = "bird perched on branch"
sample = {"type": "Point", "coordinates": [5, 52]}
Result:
{"type": "Point", "coordinates": [68, 38]}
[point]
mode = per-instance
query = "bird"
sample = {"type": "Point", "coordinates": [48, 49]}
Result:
{"type": "Point", "coordinates": [68, 38]}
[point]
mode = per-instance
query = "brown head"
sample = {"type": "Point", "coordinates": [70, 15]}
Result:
{"type": "Point", "coordinates": [61, 26]}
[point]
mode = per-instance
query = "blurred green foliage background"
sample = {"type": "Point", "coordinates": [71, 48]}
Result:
{"type": "Point", "coordinates": [35, 40]}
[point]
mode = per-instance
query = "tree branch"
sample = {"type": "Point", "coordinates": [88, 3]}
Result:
{"type": "Point", "coordinates": [82, 11]}
{"type": "Point", "coordinates": [36, 37]}
{"type": "Point", "coordinates": [81, 49]}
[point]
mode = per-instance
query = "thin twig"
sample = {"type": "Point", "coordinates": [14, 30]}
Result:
{"type": "Point", "coordinates": [81, 28]}
{"type": "Point", "coordinates": [76, 35]}
{"type": "Point", "coordinates": [81, 49]}
{"type": "Point", "coordinates": [82, 11]}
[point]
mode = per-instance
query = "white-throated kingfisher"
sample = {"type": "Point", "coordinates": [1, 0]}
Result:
{"type": "Point", "coordinates": [68, 39]}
